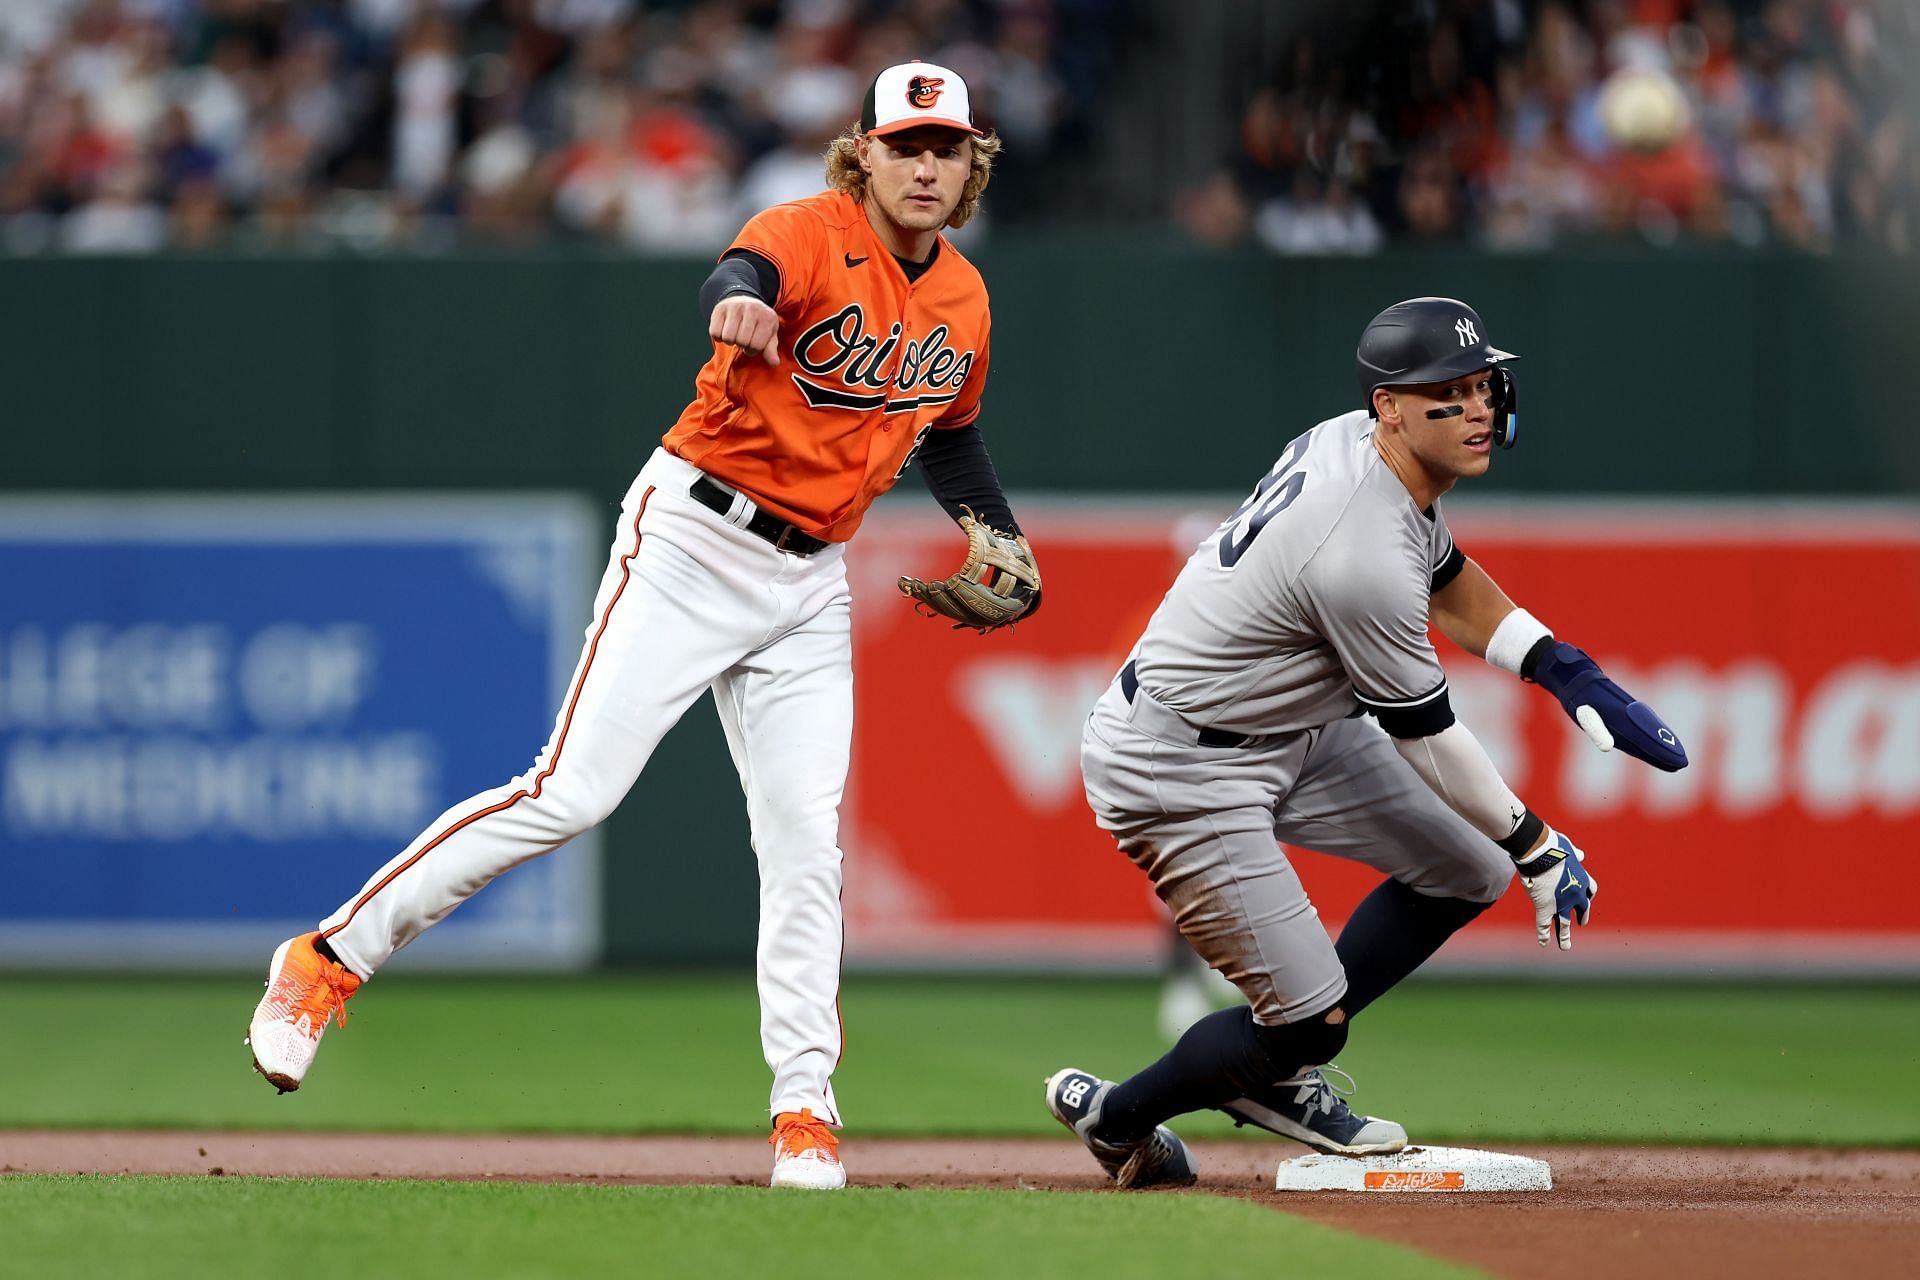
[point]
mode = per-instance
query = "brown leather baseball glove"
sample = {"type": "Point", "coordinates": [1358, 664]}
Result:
{"type": "Point", "coordinates": [996, 585]}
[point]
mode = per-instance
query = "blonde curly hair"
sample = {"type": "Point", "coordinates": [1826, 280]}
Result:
{"type": "Point", "coordinates": [845, 174]}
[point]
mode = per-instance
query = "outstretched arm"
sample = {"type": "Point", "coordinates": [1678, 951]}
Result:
{"type": "Point", "coordinates": [1376, 626]}
{"type": "Point", "coordinates": [1474, 613]}
{"type": "Point", "coordinates": [1455, 765]}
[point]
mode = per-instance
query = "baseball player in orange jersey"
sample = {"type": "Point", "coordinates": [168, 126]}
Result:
{"type": "Point", "coordinates": [848, 334]}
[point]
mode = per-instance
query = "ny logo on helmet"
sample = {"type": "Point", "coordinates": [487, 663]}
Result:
{"type": "Point", "coordinates": [1464, 327]}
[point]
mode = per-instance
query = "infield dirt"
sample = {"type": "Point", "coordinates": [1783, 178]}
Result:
{"type": "Point", "coordinates": [1614, 1211]}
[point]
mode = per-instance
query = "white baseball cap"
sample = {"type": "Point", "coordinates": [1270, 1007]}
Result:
{"type": "Point", "coordinates": [916, 93]}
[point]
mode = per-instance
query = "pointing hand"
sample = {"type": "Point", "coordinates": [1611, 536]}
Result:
{"type": "Point", "coordinates": [748, 323]}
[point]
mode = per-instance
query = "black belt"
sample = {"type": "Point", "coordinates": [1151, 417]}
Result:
{"type": "Point", "coordinates": [1130, 685]}
{"type": "Point", "coordinates": [768, 528]}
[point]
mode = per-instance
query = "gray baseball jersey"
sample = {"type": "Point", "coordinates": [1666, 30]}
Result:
{"type": "Point", "coordinates": [1231, 729]}
{"type": "Point", "coordinates": [1314, 592]}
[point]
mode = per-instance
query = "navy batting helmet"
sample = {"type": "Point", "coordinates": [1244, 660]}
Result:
{"type": "Point", "coordinates": [1434, 340]}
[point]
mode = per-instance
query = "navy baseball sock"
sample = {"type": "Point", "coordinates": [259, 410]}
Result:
{"type": "Point", "coordinates": [1390, 934]}
{"type": "Point", "coordinates": [1217, 1060]}
{"type": "Point", "coordinates": [320, 945]}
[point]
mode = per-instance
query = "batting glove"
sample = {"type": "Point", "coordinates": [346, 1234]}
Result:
{"type": "Point", "coordinates": [1609, 715]}
{"type": "Point", "coordinates": [1561, 888]}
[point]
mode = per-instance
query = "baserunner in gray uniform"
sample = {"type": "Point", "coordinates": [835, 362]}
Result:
{"type": "Point", "coordinates": [1286, 690]}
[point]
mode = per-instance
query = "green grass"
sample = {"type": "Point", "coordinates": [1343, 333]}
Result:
{"type": "Point", "coordinates": [158, 1228]}
{"type": "Point", "coordinates": [1824, 1064]}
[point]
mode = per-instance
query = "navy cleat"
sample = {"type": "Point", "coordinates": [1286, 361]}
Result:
{"type": "Point", "coordinates": [1308, 1109]}
{"type": "Point", "coordinates": [1158, 1160]}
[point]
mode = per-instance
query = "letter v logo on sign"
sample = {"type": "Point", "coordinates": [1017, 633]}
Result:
{"type": "Point", "coordinates": [1030, 711]}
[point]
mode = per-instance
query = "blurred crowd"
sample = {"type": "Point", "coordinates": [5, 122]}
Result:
{"type": "Point", "coordinates": [1524, 124]}
{"type": "Point", "coordinates": [139, 125]}
{"type": "Point", "coordinates": [130, 126]}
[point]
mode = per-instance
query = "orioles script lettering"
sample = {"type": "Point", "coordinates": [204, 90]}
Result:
{"type": "Point", "coordinates": [841, 345]}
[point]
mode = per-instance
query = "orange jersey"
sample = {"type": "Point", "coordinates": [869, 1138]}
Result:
{"type": "Point", "coordinates": [868, 363]}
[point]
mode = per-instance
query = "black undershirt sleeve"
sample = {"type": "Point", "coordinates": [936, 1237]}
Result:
{"type": "Point", "coordinates": [740, 271]}
{"type": "Point", "coordinates": [958, 472]}
{"type": "Point", "coordinates": [1449, 569]}
{"type": "Point", "coordinates": [1418, 718]}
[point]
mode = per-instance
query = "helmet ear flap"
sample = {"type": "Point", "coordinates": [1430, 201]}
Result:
{"type": "Point", "coordinates": [1506, 408]}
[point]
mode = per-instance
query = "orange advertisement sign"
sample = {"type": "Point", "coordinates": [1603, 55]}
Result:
{"type": "Point", "coordinates": [1778, 640]}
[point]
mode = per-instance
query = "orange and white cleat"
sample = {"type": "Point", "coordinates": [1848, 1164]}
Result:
{"type": "Point", "coordinates": [304, 990]}
{"type": "Point", "coordinates": [805, 1153]}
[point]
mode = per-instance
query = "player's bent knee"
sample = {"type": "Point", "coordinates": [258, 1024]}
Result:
{"type": "Point", "coordinates": [1312, 1042]}
{"type": "Point", "coordinates": [1486, 890]}
{"type": "Point", "coordinates": [1479, 882]}
{"type": "Point", "coordinates": [566, 811]}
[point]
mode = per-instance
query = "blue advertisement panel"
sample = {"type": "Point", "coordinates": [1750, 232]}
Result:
{"type": "Point", "coordinates": [219, 715]}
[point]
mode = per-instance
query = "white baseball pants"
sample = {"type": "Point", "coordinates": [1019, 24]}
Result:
{"type": "Point", "coordinates": [689, 602]}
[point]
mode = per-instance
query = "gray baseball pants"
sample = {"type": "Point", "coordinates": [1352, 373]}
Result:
{"type": "Point", "coordinates": [1206, 824]}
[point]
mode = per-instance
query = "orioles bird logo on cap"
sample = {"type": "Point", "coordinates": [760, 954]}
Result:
{"type": "Point", "coordinates": [923, 91]}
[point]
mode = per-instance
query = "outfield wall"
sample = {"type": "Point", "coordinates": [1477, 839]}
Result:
{"type": "Point", "coordinates": [219, 715]}
{"type": "Point", "coordinates": [1120, 366]}
{"type": "Point", "coordinates": [1115, 366]}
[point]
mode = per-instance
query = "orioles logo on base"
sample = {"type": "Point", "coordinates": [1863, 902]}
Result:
{"type": "Point", "coordinates": [924, 91]}
{"type": "Point", "coordinates": [1416, 1180]}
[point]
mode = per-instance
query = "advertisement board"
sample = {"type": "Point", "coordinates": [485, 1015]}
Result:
{"type": "Point", "coordinates": [1776, 638]}
{"type": "Point", "coordinates": [219, 715]}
